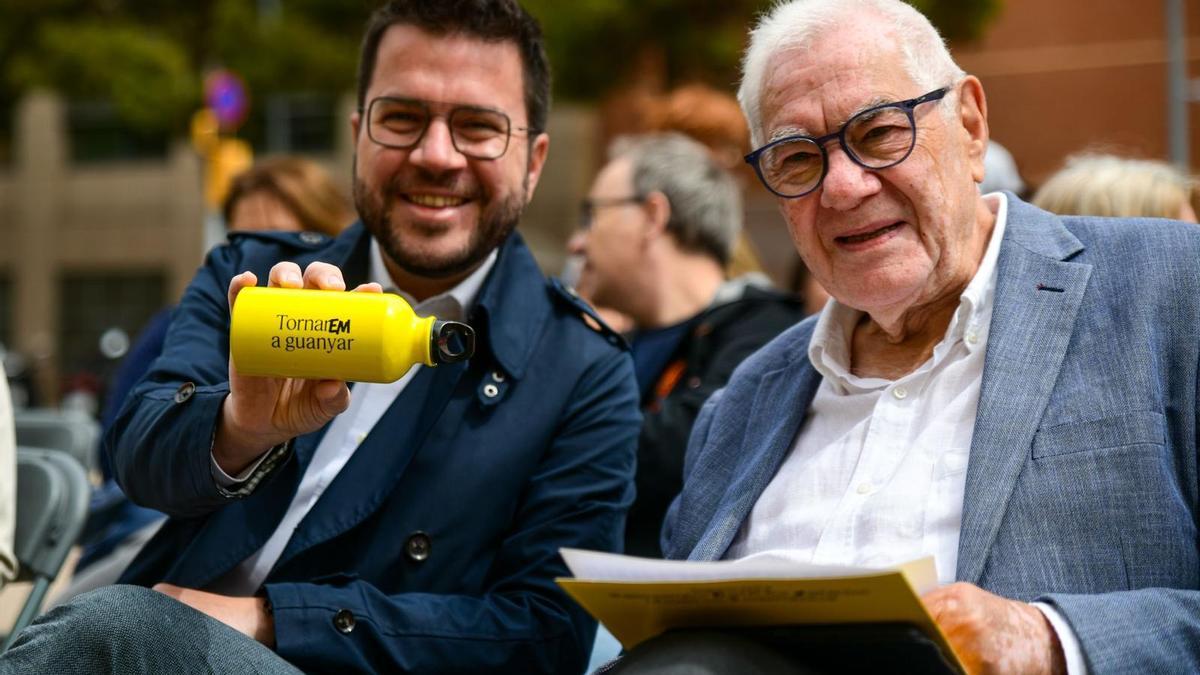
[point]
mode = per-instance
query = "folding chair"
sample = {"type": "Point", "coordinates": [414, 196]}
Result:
{"type": "Point", "coordinates": [52, 500]}
{"type": "Point", "coordinates": [73, 432]}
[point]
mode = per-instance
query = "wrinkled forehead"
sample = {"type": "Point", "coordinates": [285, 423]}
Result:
{"type": "Point", "coordinates": [814, 89]}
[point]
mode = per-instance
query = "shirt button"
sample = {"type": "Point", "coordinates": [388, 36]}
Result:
{"type": "Point", "coordinates": [359, 438]}
{"type": "Point", "coordinates": [490, 390]}
{"type": "Point", "coordinates": [972, 337]}
{"type": "Point", "coordinates": [900, 393]}
{"type": "Point", "coordinates": [344, 621]}
{"type": "Point", "coordinates": [311, 238]}
{"type": "Point", "coordinates": [497, 376]}
{"type": "Point", "coordinates": [864, 488]}
{"type": "Point", "coordinates": [184, 392]}
{"type": "Point", "coordinates": [418, 546]}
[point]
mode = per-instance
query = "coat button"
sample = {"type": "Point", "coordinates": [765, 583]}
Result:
{"type": "Point", "coordinates": [184, 392]}
{"type": "Point", "coordinates": [497, 376]}
{"type": "Point", "coordinates": [344, 621]}
{"type": "Point", "coordinates": [418, 546]}
{"type": "Point", "coordinates": [490, 390]}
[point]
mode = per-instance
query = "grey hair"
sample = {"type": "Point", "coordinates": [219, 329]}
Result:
{"type": "Point", "coordinates": [795, 24]}
{"type": "Point", "coordinates": [706, 202]}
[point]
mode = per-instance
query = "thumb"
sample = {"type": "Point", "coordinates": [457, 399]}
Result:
{"type": "Point", "coordinates": [333, 396]}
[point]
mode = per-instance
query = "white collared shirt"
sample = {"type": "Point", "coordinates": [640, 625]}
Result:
{"type": "Point", "coordinates": [368, 402]}
{"type": "Point", "coordinates": [877, 474]}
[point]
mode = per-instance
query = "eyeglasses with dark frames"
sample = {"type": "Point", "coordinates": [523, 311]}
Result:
{"type": "Point", "coordinates": [475, 131]}
{"type": "Point", "coordinates": [588, 207]}
{"type": "Point", "coordinates": [876, 138]}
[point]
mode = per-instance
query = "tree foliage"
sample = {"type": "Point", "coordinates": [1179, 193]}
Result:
{"type": "Point", "coordinates": [148, 57]}
{"type": "Point", "coordinates": [595, 45]}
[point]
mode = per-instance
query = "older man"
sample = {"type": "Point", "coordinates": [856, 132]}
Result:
{"type": "Point", "coordinates": [413, 526]}
{"type": "Point", "coordinates": [659, 227]}
{"type": "Point", "coordinates": [1010, 391]}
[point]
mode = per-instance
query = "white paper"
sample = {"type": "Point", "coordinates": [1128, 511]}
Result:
{"type": "Point", "coordinates": [596, 566]}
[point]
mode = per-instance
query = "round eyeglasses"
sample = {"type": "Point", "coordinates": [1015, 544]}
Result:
{"type": "Point", "coordinates": [477, 132]}
{"type": "Point", "coordinates": [876, 138]}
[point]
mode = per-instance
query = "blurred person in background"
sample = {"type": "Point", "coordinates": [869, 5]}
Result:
{"type": "Point", "coordinates": [286, 194]}
{"type": "Point", "coordinates": [281, 194]}
{"type": "Point", "coordinates": [8, 480]}
{"type": "Point", "coordinates": [659, 227]}
{"type": "Point", "coordinates": [1112, 186]}
{"type": "Point", "coordinates": [415, 525]}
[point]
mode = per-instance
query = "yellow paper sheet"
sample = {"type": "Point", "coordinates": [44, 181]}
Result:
{"type": "Point", "coordinates": [637, 610]}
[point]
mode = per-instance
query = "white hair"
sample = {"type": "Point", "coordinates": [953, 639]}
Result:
{"type": "Point", "coordinates": [795, 24]}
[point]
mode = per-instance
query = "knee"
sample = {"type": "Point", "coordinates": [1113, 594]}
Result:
{"type": "Point", "coordinates": [105, 613]}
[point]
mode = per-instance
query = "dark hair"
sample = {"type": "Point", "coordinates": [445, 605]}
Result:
{"type": "Point", "coordinates": [491, 20]}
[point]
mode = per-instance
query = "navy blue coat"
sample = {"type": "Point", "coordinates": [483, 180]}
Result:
{"type": "Point", "coordinates": [493, 485]}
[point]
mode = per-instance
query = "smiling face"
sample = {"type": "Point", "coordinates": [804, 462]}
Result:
{"type": "Point", "coordinates": [888, 240]}
{"type": "Point", "coordinates": [437, 213]}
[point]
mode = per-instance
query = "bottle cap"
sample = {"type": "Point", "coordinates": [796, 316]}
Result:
{"type": "Point", "coordinates": [452, 341]}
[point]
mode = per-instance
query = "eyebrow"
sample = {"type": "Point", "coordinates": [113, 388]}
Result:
{"type": "Point", "coordinates": [785, 132]}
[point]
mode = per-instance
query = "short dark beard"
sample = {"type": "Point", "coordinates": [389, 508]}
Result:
{"type": "Point", "coordinates": [496, 223]}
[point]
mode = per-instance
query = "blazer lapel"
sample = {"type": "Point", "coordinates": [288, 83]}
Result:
{"type": "Point", "coordinates": [1037, 298]}
{"type": "Point", "coordinates": [780, 406]}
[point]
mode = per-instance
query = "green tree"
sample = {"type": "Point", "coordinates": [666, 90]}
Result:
{"type": "Point", "coordinates": [149, 58]}
{"type": "Point", "coordinates": [596, 45]}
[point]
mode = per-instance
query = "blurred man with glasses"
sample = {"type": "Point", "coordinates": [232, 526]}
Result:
{"type": "Point", "coordinates": [657, 231]}
{"type": "Point", "coordinates": [404, 527]}
{"type": "Point", "coordinates": [1009, 391]}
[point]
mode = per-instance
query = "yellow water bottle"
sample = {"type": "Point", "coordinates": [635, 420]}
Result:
{"type": "Point", "coordinates": [335, 335]}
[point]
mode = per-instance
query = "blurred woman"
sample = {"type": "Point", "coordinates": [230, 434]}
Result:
{"type": "Point", "coordinates": [288, 194]}
{"type": "Point", "coordinates": [1107, 185]}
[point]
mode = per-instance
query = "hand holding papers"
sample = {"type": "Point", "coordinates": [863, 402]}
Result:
{"type": "Point", "coordinates": [637, 599]}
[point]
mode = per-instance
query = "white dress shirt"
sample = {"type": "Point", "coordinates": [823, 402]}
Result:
{"type": "Point", "coordinates": [877, 474]}
{"type": "Point", "coordinates": [368, 402]}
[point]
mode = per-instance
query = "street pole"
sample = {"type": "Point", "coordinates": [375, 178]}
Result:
{"type": "Point", "coordinates": [1179, 94]}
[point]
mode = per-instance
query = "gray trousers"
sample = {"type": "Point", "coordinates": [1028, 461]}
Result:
{"type": "Point", "coordinates": [130, 629]}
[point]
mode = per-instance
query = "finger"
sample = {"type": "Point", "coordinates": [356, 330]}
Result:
{"type": "Point", "coordinates": [236, 284]}
{"type": "Point", "coordinates": [324, 276]}
{"type": "Point", "coordinates": [333, 395]}
{"type": "Point", "coordinates": [285, 275]}
{"type": "Point", "coordinates": [368, 288]}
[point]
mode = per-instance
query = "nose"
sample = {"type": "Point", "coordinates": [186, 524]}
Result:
{"type": "Point", "coordinates": [436, 150]}
{"type": "Point", "coordinates": [577, 244]}
{"type": "Point", "coordinates": [846, 183]}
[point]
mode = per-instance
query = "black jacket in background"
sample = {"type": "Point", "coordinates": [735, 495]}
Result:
{"type": "Point", "coordinates": [742, 318]}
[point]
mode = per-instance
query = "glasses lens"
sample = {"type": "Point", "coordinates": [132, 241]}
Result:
{"type": "Point", "coordinates": [397, 123]}
{"type": "Point", "coordinates": [880, 138]}
{"type": "Point", "coordinates": [480, 133]}
{"type": "Point", "coordinates": [792, 168]}
{"type": "Point", "coordinates": [586, 209]}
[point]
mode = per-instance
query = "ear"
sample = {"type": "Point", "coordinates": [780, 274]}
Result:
{"type": "Point", "coordinates": [972, 110]}
{"type": "Point", "coordinates": [355, 121]}
{"type": "Point", "coordinates": [658, 214]}
{"type": "Point", "coordinates": [537, 160]}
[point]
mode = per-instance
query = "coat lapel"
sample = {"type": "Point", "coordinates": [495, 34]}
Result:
{"type": "Point", "coordinates": [782, 402]}
{"type": "Point", "coordinates": [1038, 295]}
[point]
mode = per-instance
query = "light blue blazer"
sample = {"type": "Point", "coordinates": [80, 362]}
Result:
{"type": "Point", "coordinates": [1082, 480]}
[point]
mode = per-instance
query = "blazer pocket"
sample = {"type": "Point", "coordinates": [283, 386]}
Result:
{"type": "Point", "coordinates": [1140, 427]}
